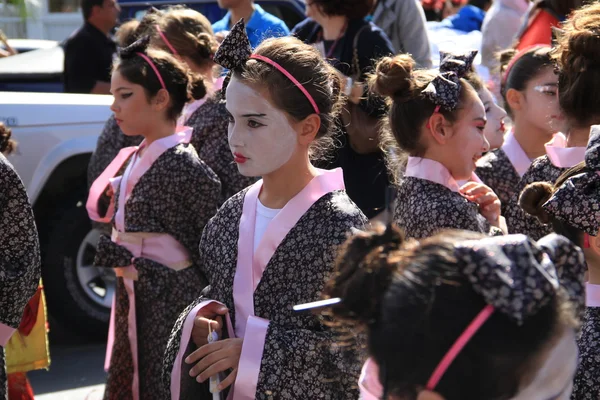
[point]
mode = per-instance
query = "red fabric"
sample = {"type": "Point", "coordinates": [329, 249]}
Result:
{"type": "Point", "coordinates": [19, 387]}
{"type": "Point", "coordinates": [539, 30]}
{"type": "Point", "coordinates": [30, 313]}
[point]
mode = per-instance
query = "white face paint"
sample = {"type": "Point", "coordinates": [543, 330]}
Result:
{"type": "Point", "coordinates": [554, 379]}
{"type": "Point", "coordinates": [260, 136]}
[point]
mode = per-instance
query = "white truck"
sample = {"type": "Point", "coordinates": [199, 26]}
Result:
{"type": "Point", "coordinates": [56, 135]}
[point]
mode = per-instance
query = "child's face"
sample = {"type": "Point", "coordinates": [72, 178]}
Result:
{"type": "Point", "coordinates": [494, 128]}
{"type": "Point", "coordinates": [467, 142]}
{"type": "Point", "coordinates": [540, 105]}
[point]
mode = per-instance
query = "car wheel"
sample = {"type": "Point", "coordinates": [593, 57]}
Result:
{"type": "Point", "coordinates": [79, 294]}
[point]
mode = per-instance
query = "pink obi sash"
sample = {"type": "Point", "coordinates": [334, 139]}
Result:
{"type": "Point", "coordinates": [368, 383]}
{"type": "Point", "coordinates": [431, 170]}
{"type": "Point", "coordinates": [101, 183]}
{"type": "Point", "coordinates": [562, 156]}
{"type": "Point", "coordinates": [249, 270]}
{"type": "Point", "coordinates": [159, 247]}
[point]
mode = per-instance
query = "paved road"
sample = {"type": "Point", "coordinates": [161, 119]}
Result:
{"type": "Point", "coordinates": [76, 371]}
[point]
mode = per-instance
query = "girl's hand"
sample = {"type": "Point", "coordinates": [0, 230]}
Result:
{"type": "Point", "coordinates": [488, 201]}
{"type": "Point", "coordinates": [215, 358]}
{"type": "Point", "coordinates": [209, 315]}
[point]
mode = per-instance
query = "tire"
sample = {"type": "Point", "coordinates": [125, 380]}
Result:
{"type": "Point", "coordinates": [69, 249]}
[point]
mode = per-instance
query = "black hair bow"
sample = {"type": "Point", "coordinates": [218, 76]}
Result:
{"type": "Point", "coordinates": [444, 90]}
{"type": "Point", "coordinates": [519, 276]}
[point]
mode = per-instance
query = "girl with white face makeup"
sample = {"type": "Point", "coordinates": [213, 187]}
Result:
{"type": "Point", "coordinates": [272, 245]}
{"type": "Point", "coordinates": [570, 206]}
{"type": "Point", "coordinates": [578, 81]}
{"type": "Point", "coordinates": [459, 316]}
{"type": "Point", "coordinates": [161, 196]}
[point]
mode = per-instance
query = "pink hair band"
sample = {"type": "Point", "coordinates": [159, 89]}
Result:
{"type": "Point", "coordinates": [290, 77]}
{"type": "Point", "coordinates": [166, 41]}
{"type": "Point", "coordinates": [151, 64]}
{"type": "Point", "coordinates": [518, 56]}
{"type": "Point", "coordinates": [457, 347]}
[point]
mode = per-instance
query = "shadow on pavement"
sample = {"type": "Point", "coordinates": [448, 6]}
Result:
{"type": "Point", "coordinates": [75, 362]}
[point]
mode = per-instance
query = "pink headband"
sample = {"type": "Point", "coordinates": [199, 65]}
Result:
{"type": "Point", "coordinates": [457, 347]}
{"type": "Point", "coordinates": [290, 77]}
{"type": "Point", "coordinates": [517, 57]}
{"type": "Point", "coordinates": [151, 64]}
{"type": "Point", "coordinates": [166, 41]}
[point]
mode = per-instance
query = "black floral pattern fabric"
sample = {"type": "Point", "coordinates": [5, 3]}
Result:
{"type": "Point", "coordinates": [496, 171]}
{"type": "Point", "coordinates": [517, 276]}
{"type": "Point", "coordinates": [577, 200]}
{"type": "Point", "coordinates": [517, 220]}
{"type": "Point", "coordinates": [19, 254]}
{"type": "Point", "coordinates": [299, 361]}
{"type": "Point", "coordinates": [444, 90]}
{"type": "Point", "coordinates": [586, 385]}
{"type": "Point", "coordinates": [423, 208]}
{"type": "Point", "coordinates": [210, 123]}
{"type": "Point", "coordinates": [177, 196]}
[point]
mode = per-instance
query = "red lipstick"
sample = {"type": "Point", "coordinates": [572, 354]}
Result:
{"type": "Point", "coordinates": [238, 158]}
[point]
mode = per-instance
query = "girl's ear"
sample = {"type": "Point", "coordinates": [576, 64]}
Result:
{"type": "Point", "coordinates": [438, 128]}
{"type": "Point", "coordinates": [515, 99]}
{"type": "Point", "coordinates": [161, 100]}
{"type": "Point", "coordinates": [308, 129]}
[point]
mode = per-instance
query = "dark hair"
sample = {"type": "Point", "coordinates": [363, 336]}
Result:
{"type": "Point", "coordinates": [126, 34]}
{"type": "Point", "coordinates": [304, 63]}
{"type": "Point", "coordinates": [147, 23]}
{"type": "Point", "coordinates": [578, 58]}
{"type": "Point", "coordinates": [527, 67]}
{"type": "Point", "coordinates": [7, 145]}
{"type": "Point", "coordinates": [535, 194]}
{"type": "Point", "coordinates": [189, 32]}
{"type": "Point", "coordinates": [562, 7]}
{"type": "Point", "coordinates": [481, 4]}
{"type": "Point", "coordinates": [88, 5]}
{"type": "Point", "coordinates": [474, 80]}
{"type": "Point", "coordinates": [396, 79]}
{"type": "Point", "coordinates": [414, 305]}
{"type": "Point", "coordinates": [180, 82]}
{"type": "Point", "coordinates": [352, 9]}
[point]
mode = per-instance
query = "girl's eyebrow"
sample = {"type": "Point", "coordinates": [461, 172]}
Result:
{"type": "Point", "coordinates": [254, 115]}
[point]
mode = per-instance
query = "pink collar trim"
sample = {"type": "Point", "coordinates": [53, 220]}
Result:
{"type": "Point", "coordinates": [562, 156]}
{"type": "Point", "coordinates": [368, 383]}
{"type": "Point", "coordinates": [515, 153]}
{"type": "Point", "coordinates": [592, 295]}
{"type": "Point", "coordinates": [431, 170]}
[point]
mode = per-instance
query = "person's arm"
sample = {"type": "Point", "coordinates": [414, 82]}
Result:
{"type": "Point", "coordinates": [411, 29]}
{"type": "Point", "coordinates": [9, 50]}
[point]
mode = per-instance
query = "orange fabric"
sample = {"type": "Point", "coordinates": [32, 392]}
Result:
{"type": "Point", "coordinates": [539, 30]}
{"type": "Point", "coordinates": [19, 387]}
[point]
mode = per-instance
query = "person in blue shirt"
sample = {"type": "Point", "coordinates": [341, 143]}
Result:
{"type": "Point", "coordinates": [260, 25]}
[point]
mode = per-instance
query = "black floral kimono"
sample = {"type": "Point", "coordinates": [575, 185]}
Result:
{"type": "Point", "coordinates": [285, 354]}
{"type": "Point", "coordinates": [170, 195]}
{"type": "Point", "coordinates": [19, 258]}
{"type": "Point", "coordinates": [428, 201]}
{"type": "Point", "coordinates": [547, 168]}
{"type": "Point", "coordinates": [496, 171]}
{"type": "Point", "coordinates": [517, 220]}
{"type": "Point", "coordinates": [210, 122]}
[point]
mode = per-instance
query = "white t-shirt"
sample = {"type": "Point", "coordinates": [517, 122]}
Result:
{"type": "Point", "coordinates": [264, 215]}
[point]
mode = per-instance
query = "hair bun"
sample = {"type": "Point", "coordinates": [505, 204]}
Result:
{"type": "Point", "coordinates": [533, 197]}
{"type": "Point", "coordinates": [7, 145]}
{"type": "Point", "coordinates": [363, 274]}
{"type": "Point", "coordinates": [392, 77]}
{"type": "Point", "coordinates": [139, 46]}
